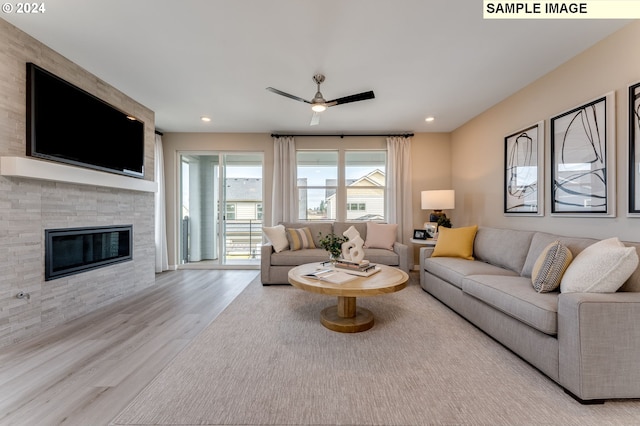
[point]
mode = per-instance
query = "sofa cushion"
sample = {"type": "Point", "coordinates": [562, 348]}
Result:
{"type": "Point", "coordinates": [516, 297]}
{"type": "Point", "coordinates": [550, 266]}
{"type": "Point", "coordinates": [383, 256]}
{"type": "Point", "coordinates": [541, 239]}
{"type": "Point", "coordinates": [633, 283]}
{"type": "Point", "coordinates": [600, 268]}
{"type": "Point", "coordinates": [454, 269]}
{"type": "Point", "coordinates": [381, 235]}
{"type": "Point", "coordinates": [300, 238]}
{"type": "Point", "coordinates": [277, 236]}
{"type": "Point", "coordinates": [340, 227]}
{"type": "Point", "coordinates": [298, 257]}
{"type": "Point", "coordinates": [455, 242]}
{"type": "Point", "coordinates": [315, 228]}
{"type": "Point", "coordinates": [502, 247]}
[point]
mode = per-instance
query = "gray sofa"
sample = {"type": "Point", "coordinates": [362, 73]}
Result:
{"type": "Point", "coordinates": [589, 343]}
{"type": "Point", "coordinates": [274, 267]}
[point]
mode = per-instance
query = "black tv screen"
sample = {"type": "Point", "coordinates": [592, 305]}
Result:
{"type": "Point", "coordinates": [69, 125]}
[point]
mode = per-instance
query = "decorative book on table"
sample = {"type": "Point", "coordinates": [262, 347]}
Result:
{"type": "Point", "coordinates": [330, 275]}
{"type": "Point", "coordinates": [362, 273]}
{"type": "Point", "coordinates": [361, 269]}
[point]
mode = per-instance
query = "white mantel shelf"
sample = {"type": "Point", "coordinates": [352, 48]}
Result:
{"type": "Point", "coordinates": [44, 170]}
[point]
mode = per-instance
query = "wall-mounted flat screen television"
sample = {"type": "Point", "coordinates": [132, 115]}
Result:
{"type": "Point", "coordinates": [69, 125]}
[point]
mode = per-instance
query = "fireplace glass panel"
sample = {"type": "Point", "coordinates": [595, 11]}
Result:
{"type": "Point", "coordinates": [71, 251]}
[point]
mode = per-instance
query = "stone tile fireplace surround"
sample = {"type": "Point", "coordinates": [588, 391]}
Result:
{"type": "Point", "coordinates": [28, 206]}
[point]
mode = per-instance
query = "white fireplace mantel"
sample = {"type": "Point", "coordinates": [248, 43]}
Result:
{"type": "Point", "coordinates": [44, 170]}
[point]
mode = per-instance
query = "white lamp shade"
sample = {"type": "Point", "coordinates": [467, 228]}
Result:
{"type": "Point", "coordinates": [443, 199]}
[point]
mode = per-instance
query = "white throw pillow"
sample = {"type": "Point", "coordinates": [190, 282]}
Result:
{"type": "Point", "coordinates": [600, 268]}
{"type": "Point", "coordinates": [381, 235]}
{"type": "Point", "coordinates": [277, 236]}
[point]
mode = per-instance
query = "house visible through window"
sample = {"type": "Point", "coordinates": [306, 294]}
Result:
{"type": "Point", "coordinates": [341, 185]}
{"type": "Point", "coordinates": [354, 207]}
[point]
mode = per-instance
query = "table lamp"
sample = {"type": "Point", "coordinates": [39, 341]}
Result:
{"type": "Point", "coordinates": [438, 200]}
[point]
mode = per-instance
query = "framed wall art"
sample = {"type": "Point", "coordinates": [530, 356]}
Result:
{"type": "Point", "coordinates": [523, 171]}
{"type": "Point", "coordinates": [583, 159]}
{"type": "Point", "coordinates": [634, 150]}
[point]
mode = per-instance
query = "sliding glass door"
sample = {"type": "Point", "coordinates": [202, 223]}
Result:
{"type": "Point", "coordinates": [220, 209]}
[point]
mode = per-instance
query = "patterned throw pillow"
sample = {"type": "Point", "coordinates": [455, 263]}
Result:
{"type": "Point", "coordinates": [300, 238]}
{"type": "Point", "coordinates": [550, 267]}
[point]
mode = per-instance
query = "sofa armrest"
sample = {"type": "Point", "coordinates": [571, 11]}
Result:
{"type": "Point", "coordinates": [599, 343]}
{"type": "Point", "coordinates": [425, 252]}
{"type": "Point", "coordinates": [265, 261]}
{"type": "Point", "coordinates": [402, 250]}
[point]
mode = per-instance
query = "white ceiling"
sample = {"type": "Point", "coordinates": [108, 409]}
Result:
{"type": "Point", "coordinates": [189, 58]}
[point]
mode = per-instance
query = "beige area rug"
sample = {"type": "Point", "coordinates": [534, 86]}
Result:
{"type": "Point", "coordinates": [267, 360]}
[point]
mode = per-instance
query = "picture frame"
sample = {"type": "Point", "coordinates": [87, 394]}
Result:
{"type": "Point", "coordinates": [634, 151]}
{"type": "Point", "coordinates": [419, 234]}
{"type": "Point", "coordinates": [524, 171]}
{"type": "Point", "coordinates": [583, 156]}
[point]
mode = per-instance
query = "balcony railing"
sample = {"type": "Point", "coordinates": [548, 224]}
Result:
{"type": "Point", "coordinates": [243, 239]}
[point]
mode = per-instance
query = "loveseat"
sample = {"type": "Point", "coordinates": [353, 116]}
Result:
{"type": "Point", "coordinates": [275, 265]}
{"type": "Point", "coordinates": [587, 342]}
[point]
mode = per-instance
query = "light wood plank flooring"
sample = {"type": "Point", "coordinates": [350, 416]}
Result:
{"type": "Point", "coordinates": [86, 371]}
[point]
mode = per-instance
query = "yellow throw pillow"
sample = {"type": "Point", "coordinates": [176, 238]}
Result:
{"type": "Point", "coordinates": [300, 238]}
{"type": "Point", "coordinates": [550, 267]}
{"type": "Point", "coordinates": [455, 242]}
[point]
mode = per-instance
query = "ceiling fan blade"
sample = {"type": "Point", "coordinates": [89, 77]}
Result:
{"type": "Point", "coordinates": [352, 98]}
{"type": "Point", "coordinates": [285, 94]}
{"type": "Point", "coordinates": [315, 119]}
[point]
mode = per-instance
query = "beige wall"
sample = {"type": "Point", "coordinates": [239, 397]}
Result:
{"type": "Point", "coordinates": [478, 146]}
{"type": "Point", "coordinates": [431, 164]}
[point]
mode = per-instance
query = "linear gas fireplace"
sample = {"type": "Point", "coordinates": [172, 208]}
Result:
{"type": "Point", "coordinates": [73, 250]}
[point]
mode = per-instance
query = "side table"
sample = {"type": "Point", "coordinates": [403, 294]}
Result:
{"type": "Point", "coordinates": [425, 252]}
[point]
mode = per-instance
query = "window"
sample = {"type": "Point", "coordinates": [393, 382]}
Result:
{"type": "Point", "coordinates": [328, 179]}
{"type": "Point", "coordinates": [231, 211]}
{"type": "Point", "coordinates": [317, 184]}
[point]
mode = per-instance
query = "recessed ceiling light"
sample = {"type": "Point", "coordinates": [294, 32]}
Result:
{"type": "Point", "coordinates": [205, 118]}
{"type": "Point", "coordinates": [429, 119]}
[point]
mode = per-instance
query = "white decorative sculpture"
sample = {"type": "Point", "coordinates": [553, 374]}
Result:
{"type": "Point", "coordinates": [353, 249]}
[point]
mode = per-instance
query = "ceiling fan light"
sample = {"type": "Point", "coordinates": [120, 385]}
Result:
{"type": "Point", "coordinates": [318, 107]}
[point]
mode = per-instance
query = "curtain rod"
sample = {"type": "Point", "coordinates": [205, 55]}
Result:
{"type": "Point", "coordinates": [404, 135]}
{"type": "Point", "coordinates": [159, 133]}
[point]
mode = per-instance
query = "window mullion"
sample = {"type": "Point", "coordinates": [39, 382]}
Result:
{"type": "Point", "coordinates": [341, 195]}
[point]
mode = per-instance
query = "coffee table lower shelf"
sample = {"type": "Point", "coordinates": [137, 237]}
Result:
{"type": "Point", "coordinates": [346, 317]}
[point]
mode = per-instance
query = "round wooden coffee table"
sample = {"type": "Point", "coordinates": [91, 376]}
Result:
{"type": "Point", "coordinates": [346, 317]}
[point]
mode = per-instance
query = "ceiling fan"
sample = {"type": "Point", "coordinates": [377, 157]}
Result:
{"type": "Point", "coordinates": [319, 104]}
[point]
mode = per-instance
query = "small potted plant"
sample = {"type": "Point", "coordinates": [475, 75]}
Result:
{"type": "Point", "coordinates": [333, 244]}
{"type": "Point", "coordinates": [444, 221]}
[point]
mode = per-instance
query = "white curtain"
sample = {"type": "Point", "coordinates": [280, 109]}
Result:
{"type": "Point", "coordinates": [162, 258]}
{"type": "Point", "coordinates": [399, 205]}
{"type": "Point", "coordinates": [283, 204]}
